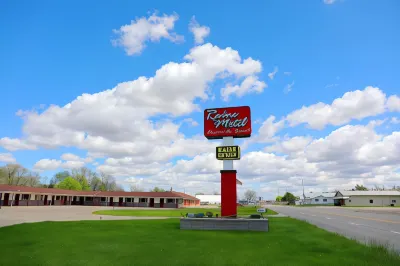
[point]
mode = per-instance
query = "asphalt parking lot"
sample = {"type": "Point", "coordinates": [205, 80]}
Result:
{"type": "Point", "coordinates": [31, 214]}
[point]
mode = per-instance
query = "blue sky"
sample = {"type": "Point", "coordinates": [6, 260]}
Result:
{"type": "Point", "coordinates": [54, 51]}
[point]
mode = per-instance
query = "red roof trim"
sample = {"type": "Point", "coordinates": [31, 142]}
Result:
{"type": "Point", "coordinates": [56, 191]}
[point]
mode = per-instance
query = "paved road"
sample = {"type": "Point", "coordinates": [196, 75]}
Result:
{"type": "Point", "coordinates": [364, 224]}
{"type": "Point", "coordinates": [18, 215]}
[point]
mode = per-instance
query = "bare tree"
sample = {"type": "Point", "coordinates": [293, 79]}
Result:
{"type": "Point", "coordinates": [250, 195]}
{"type": "Point", "coordinates": [33, 179]}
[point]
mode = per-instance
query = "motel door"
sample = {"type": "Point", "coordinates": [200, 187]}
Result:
{"type": "Point", "coordinates": [6, 199]}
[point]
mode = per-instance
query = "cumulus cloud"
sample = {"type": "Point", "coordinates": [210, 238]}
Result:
{"type": "Point", "coordinates": [290, 145]}
{"type": "Point", "coordinates": [134, 36]}
{"type": "Point", "coordinates": [16, 144]}
{"type": "Point", "coordinates": [46, 164]}
{"type": "Point", "coordinates": [269, 128]}
{"type": "Point", "coordinates": [127, 126]}
{"type": "Point", "coordinates": [352, 105]}
{"type": "Point", "coordinates": [329, 2]}
{"type": "Point", "coordinates": [199, 32]}
{"type": "Point", "coordinates": [251, 84]}
{"type": "Point", "coordinates": [393, 103]}
{"type": "Point", "coordinates": [7, 158]}
{"type": "Point", "coordinates": [70, 157]}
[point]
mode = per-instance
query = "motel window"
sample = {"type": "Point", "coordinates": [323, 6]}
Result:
{"type": "Point", "coordinates": [325, 200]}
{"type": "Point", "coordinates": [143, 200]}
{"type": "Point", "coordinates": [128, 200]}
{"type": "Point", "coordinates": [170, 200]}
{"type": "Point", "coordinates": [371, 201]}
{"type": "Point", "coordinates": [58, 197]}
{"type": "Point", "coordinates": [103, 199]}
{"type": "Point", "coordinates": [393, 201]}
{"type": "Point", "coordinates": [316, 200]}
{"type": "Point", "coordinates": [89, 198]}
{"type": "Point", "coordinates": [25, 197]}
{"type": "Point", "coordinates": [180, 201]}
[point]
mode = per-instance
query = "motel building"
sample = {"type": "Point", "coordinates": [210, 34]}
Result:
{"type": "Point", "coordinates": [33, 196]}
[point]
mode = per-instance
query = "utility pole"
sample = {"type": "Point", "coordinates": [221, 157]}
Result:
{"type": "Point", "coordinates": [304, 195]}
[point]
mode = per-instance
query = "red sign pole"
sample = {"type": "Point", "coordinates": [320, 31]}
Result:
{"type": "Point", "coordinates": [228, 193]}
{"type": "Point", "coordinates": [228, 123]}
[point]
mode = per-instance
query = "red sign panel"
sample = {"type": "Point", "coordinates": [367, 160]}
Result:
{"type": "Point", "coordinates": [227, 122]}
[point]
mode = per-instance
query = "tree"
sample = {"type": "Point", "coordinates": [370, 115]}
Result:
{"type": "Point", "coordinates": [289, 197]}
{"type": "Point", "coordinates": [95, 182]}
{"type": "Point", "coordinates": [60, 176]}
{"type": "Point", "coordinates": [278, 198]}
{"type": "Point", "coordinates": [250, 195]}
{"type": "Point", "coordinates": [157, 189]}
{"type": "Point", "coordinates": [15, 174]}
{"type": "Point", "coordinates": [81, 175]}
{"type": "Point", "coordinates": [32, 179]}
{"type": "Point", "coordinates": [360, 187]}
{"type": "Point", "coordinates": [70, 184]}
{"type": "Point", "coordinates": [199, 193]}
{"type": "Point", "coordinates": [136, 188]}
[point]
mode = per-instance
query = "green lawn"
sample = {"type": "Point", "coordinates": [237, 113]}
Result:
{"type": "Point", "coordinates": [161, 242]}
{"type": "Point", "coordinates": [242, 211]}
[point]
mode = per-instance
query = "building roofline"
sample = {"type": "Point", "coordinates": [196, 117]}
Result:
{"type": "Point", "coordinates": [64, 192]}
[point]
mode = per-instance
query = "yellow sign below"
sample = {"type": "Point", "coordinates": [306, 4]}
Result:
{"type": "Point", "coordinates": [228, 153]}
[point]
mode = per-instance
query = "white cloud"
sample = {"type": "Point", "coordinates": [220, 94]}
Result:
{"type": "Point", "coordinates": [72, 164]}
{"type": "Point", "coordinates": [7, 158]}
{"type": "Point", "coordinates": [266, 133]}
{"type": "Point", "coordinates": [16, 144]}
{"type": "Point", "coordinates": [127, 126]}
{"type": "Point", "coordinates": [291, 145]}
{"type": "Point", "coordinates": [191, 122]}
{"type": "Point", "coordinates": [273, 73]}
{"type": "Point", "coordinates": [199, 32]}
{"type": "Point", "coordinates": [46, 164]}
{"type": "Point", "coordinates": [251, 84]}
{"type": "Point", "coordinates": [133, 37]}
{"type": "Point", "coordinates": [352, 105]}
{"type": "Point", "coordinates": [268, 129]}
{"type": "Point", "coordinates": [393, 103]}
{"type": "Point", "coordinates": [395, 120]}
{"type": "Point", "coordinates": [288, 87]}
{"type": "Point", "coordinates": [329, 2]}
{"type": "Point", "coordinates": [70, 157]}
{"type": "Point", "coordinates": [287, 73]}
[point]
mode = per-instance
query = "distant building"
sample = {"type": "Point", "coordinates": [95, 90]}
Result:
{"type": "Point", "coordinates": [213, 199]}
{"type": "Point", "coordinates": [209, 199]}
{"type": "Point", "coordinates": [367, 198]}
{"type": "Point", "coordinates": [319, 198]}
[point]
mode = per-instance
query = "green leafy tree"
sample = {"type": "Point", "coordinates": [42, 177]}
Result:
{"type": "Point", "coordinates": [278, 198]}
{"type": "Point", "coordinates": [60, 176]}
{"type": "Point", "coordinates": [157, 189]}
{"type": "Point", "coordinates": [361, 187]}
{"type": "Point", "coordinates": [70, 184]}
{"type": "Point", "coordinates": [289, 197]}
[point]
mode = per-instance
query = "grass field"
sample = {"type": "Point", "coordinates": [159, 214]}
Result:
{"type": "Point", "coordinates": [242, 211]}
{"type": "Point", "coordinates": [161, 242]}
